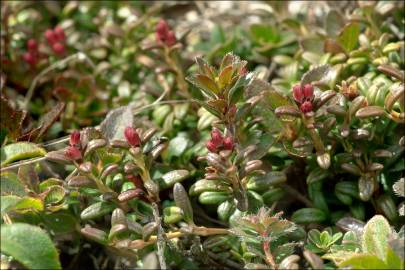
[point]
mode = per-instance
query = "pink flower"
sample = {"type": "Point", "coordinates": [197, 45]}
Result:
{"type": "Point", "coordinates": [58, 48]}
{"type": "Point", "coordinates": [306, 107]}
{"type": "Point", "coordinates": [308, 92]}
{"type": "Point", "coordinates": [211, 146]}
{"type": "Point", "coordinates": [74, 138]}
{"type": "Point", "coordinates": [132, 136]}
{"type": "Point", "coordinates": [164, 34]}
{"type": "Point", "coordinates": [59, 33]}
{"type": "Point", "coordinates": [56, 39]}
{"type": "Point", "coordinates": [73, 153]}
{"type": "Point", "coordinates": [50, 36]}
{"type": "Point", "coordinates": [216, 137]}
{"type": "Point", "coordinates": [304, 97]}
{"type": "Point", "coordinates": [162, 27]}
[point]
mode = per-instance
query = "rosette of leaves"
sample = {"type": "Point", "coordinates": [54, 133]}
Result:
{"type": "Point", "coordinates": [265, 240]}
{"type": "Point", "coordinates": [221, 88]}
{"type": "Point", "coordinates": [377, 247]}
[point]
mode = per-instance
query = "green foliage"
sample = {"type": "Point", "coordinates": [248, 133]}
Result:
{"type": "Point", "coordinates": [29, 245]}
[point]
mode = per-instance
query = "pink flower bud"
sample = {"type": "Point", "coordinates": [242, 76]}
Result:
{"type": "Point", "coordinates": [298, 93]}
{"type": "Point", "coordinates": [30, 58]}
{"type": "Point", "coordinates": [73, 153]}
{"type": "Point", "coordinates": [132, 136]}
{"type": "Point", "coordinates": [74, 138]}
{"type": "Point", "coordinates": [32, 45]}
{"type": "Point", "coordinates": [306, 107]}
{"type": "Point", "coordinates": [216, 137]}
{"type": "Point", "coordinates": [308, 91]}
{"type": "Point", "coordinates": [50, 36]}
{"type": "Point", "coordinates": [170, 39]}
{"type": "Point", "coordinates": [228, 143]}
{"type": "Point", "coordinates": [162, 27]}
{"type": "Point", "coordinates": [58, 48]}
{"type": "Point", "coordinates": [59, 33]}
{"type": "Point", "coordinates": [211, 146]}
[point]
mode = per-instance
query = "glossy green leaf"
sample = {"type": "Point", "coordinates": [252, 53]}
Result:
{"type": "Point", "coordinates": [29, 245]}
{"type": "Point", "coordinates": [170, 178]}
{"type": "Point", "coordinates": [19, 151]}
{"type": "Point", "coordinates": [308, 215]}
{"type": "Point", "coordinates": [96, 210]}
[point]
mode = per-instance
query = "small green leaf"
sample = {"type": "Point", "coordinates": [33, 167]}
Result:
{"type": "Point", "coordinates": [263, 182]}
{"type": "Point", "coordinates": [364, 261]}
{"type": "Point", "coordinates": [314, 236]}
{"type": "Point", "coordinates": [29, 245]}
{"type": "Point", "coordinates": [96, 210]}
{"type": "Point", "coordinates": [29, 204]}
{"type": "Point", "coordinates": [172, 214]}
{"type": "Point", "coordinates": [20, 151]}
{"type": "Point", "coordinates": [375, 236]}
{"type": "Point", "coordinates": [316, 175]}
{"type": "Point", "coordinates": [315, 74]}
{"type": "Point", "coordinates": [55, 195]}
{"type": "Point", "coordinates": [349, 36]}
{"type": "Point", "coordinates": [308, 215]}
{"type": "Point", "coordinates": [177, 146]}
{"type": "Point", "coordinates": [170, 178]}
{"type": "Point", "coordinates": [183, 202]}
{"type": "Point", "coordinates": [10, 185]}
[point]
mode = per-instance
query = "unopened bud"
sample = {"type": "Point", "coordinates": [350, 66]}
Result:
{"type": "Point", "coordinates": [59, 33]}
{"type": "Point", "coordinates": [132, 136]}
{"type": "Point", "coordinates": [211, 147]}
{"type": "Point", "coordinates": [50, 36]}
{"type": "Point", "coordinates": [216, 137]}
{"type": "Point", "coordinates": [74, 139]}
{"type": "Point", "coordinates": [58, 48]}
{"type": "Point", "coordinates": [73, 153]}
{"type": "Point", "coordinates": [228, 143]}
{"type": "Point", "coordinates": [308, 91]}
{"type": "Point", "coordinates": [306, 107]}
